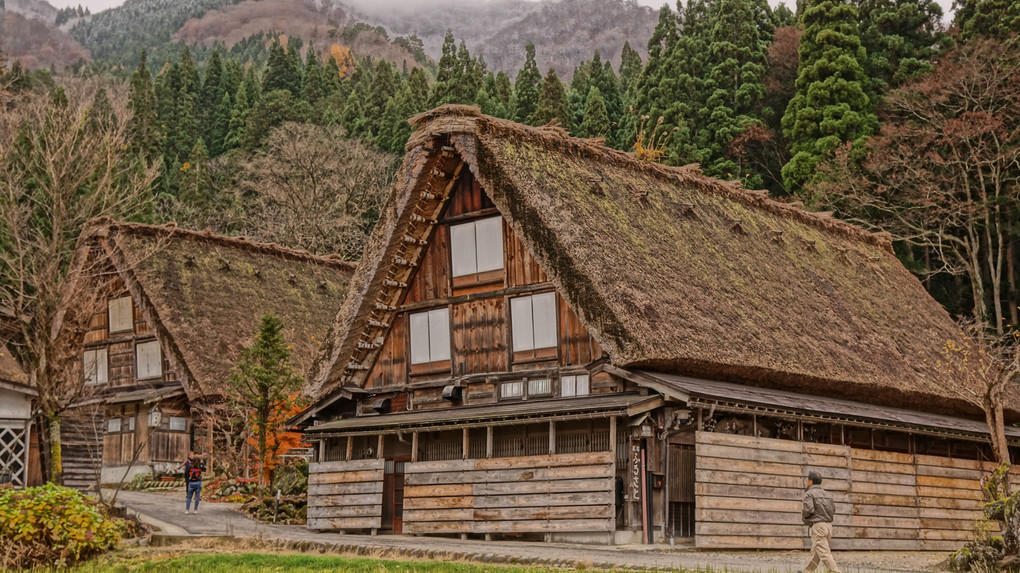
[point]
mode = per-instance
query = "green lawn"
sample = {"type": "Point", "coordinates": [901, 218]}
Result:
{"type": "Point", "coordinates": [263, 562]}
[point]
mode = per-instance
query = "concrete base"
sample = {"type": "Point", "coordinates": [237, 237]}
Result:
{"type": "Point", "coordinates": [592, 538]}
{"type": "Point", "coordinates": [116, 474]}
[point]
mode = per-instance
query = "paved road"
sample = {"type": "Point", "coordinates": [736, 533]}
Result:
{"type": "Point", "coordinates": [166, 511]}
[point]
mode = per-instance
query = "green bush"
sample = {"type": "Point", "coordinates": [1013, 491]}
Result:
{"type": "Point", "coordinates": [52, 525]}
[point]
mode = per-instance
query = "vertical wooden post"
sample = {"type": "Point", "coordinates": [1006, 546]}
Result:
{"type": "Point", "coordinates": [552, 437]}
{"type": "Point", "coordinates": [379, 454]}
{"type": "Point", "coordinates": [701, 425]}
{"type": "Point", "coordinates": [466, 443]}
{"type": "Point", "coordinates": [414, 447]}
{"type": "Point", "coordinates": [612, 438]}
{"type": "Point", "coordinates": [212, 456]}
{"type": "Point", "coordinates": [489, 442]}
{"type": "Point", "coordinates": [350, 448]}
{"type": "Point", "coordinates": [322, 451]}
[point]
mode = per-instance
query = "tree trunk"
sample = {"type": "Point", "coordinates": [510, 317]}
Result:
{"type": "Point", "coordinates": [56, 462]}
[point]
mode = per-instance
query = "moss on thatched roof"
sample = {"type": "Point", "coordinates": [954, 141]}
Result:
{"type": "Point", "coordinates": [205, 294]}
{"type": "Point", "coordinates": [675, 271]}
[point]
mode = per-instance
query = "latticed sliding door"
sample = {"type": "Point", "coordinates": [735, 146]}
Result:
{"type": "Point", "coordinates": [13, 453]}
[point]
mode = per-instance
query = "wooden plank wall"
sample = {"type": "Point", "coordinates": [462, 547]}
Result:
{"type": "Point", "coordinates": [532, 494]}
{"type": "Point", "coordinates": [479, 337]}
{"type": "Point", "coordinates": [749, 493]}
{"type": "Point", "coordinates": [345, 495]}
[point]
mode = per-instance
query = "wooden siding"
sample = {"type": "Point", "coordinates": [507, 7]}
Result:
{"type": "Point", "coordinates": [390, 368]}
{"type": "Point", "coordinates": [749, 493]}
{"type": "Point", "coordinates": [576, 345]}
{"type": "Point", "coordinates": [533, 494]}
{"type": "Point", "coordinates": [479, 337]}
{"type": "Point", "coordinates": [522, 268]}
{"type": "Point", "coordinates": [467, 197]}
{"type": "Point", "coordinates": [345, 495]}
{"type": "Point", "coordinates": [432, 278]}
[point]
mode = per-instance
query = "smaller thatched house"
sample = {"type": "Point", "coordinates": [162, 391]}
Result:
{"type": "Point", "coordinates": [546, 337]}
{"type": "Point", "coordinates": [181, 306]}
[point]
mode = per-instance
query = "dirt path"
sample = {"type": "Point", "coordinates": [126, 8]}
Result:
{"type": "Point", "coordinates": [223, 519]}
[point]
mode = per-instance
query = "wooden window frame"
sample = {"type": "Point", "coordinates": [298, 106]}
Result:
{"type": "Point", "coordinates": [575, 392]}
{"type": "Point", "coordinates": [524, 390]}
{"type": "Point", "coordinates": [170, 421]}
{"type": "Point", "coordinates": [547, 393]}
{"type": "Point", "coordinates": [138, 363]}
{"type": "Point", "coordinates": [110, 421]}
{"type": "Point", "coordinates": [542, 354]}
{"type": "Point", "coordinates": [99, 380]}
{"type": "Point", "coordinates": [478, 278]}
{"type": "Point", "coordinates": [130, 326]}
{"type": "Point", "coordinates": [433, 366]}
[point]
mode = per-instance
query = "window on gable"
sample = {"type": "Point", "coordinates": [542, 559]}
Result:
{"type": "Point", "coordinates": [148, 360]}
{"type": "Point", "coordinates": [178, 424]}
{"type": "Point", "coordinates": [476, 250]}
{"type": "Point", "coordinates": [113, 425]}
{"type": "Point", "coordinates": [533, 321]}
{"type": "Point", "coordinates": [121, 317]}
{"type": "Point", "coordinates": [129, 423]}
{"type": "Point", "coordinates": [578, 385]}
{"type": "Point", "coordinates": [430, 338]}
{"type": "Point", "coordinates": [95, 366]}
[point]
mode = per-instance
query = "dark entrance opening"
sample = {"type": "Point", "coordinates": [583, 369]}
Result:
{"type": "Point", "coordinates": [681, 490]}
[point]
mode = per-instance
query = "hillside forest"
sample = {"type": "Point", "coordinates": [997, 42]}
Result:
{"type": "Point", "coordinates": [875, 110]}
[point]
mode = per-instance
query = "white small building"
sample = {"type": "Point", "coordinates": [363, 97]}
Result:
{"type": "Point", "coordinates": [15, 421]}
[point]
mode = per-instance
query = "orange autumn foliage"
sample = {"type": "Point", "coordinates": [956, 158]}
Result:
{"type": "Point", "coordinates": [278, 440]}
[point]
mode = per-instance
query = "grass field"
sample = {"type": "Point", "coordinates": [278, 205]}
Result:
{"type": "Point", "coordinates": [153, 561]}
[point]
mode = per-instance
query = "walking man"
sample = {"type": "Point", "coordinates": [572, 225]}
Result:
{"type": "Point", "coordinates": [817, 513]}
{"type": "Point", "coordinates": [193, 468]}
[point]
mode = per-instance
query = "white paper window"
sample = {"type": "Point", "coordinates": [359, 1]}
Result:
{"type": "Point", "coordinates": [575, 385]}
{"type": "Point", "coordinates": [95, 366]}
{"type": "Point", "coordinates": [430, 336]}
{"type": "Point", "coordinates": [113, 425]}
{"type": "Point", "coordinates": [477, 246]}
{"type": "Point", "coordinates": [130, 423]}
{"type": "Point", "coordinates": [121, 318]}
{"type": "Point", "coordinates": [178, 424]}
{"type": "Point", "coordinates": [539, 387]}
{"type": "Point", "coordinates": [534, 321]}
{"type": "Point", "coordinates": [148, 360]}
{"type": "Point", "coordinates": [511, 389]}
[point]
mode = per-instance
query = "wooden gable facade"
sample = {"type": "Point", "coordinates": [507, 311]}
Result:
{"type": "Point", "coordinates": [478, 353]}
{"type": "Point", "coordinates": [536, 345]}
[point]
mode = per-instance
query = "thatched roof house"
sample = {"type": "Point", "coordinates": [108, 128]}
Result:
{"type": "Point", "coordinates": [205, 294]}
{"type": "Point", "coordinates": [674, 271]}
{"type": "Point", "coordinates": [161, 348]}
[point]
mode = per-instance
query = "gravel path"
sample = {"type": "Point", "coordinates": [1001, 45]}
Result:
{"type": "Point", "coordinates": [167, 509]}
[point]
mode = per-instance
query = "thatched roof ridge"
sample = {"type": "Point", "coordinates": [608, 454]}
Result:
{"type": "Point", "coordinates": [205, 294]}
{"type": "Point", "coordinates": [667, 269]}
{"type": "Point", "coordinates": [455, 118]}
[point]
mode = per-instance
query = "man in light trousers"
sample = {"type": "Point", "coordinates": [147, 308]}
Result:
{"type": "Point", "coordinates": [818, 512]}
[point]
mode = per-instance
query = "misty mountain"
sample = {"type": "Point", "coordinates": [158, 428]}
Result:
{"type": "Point", "coordinates": [38, 9]}
{"type": "Point", "coordinates": [28, 34]}
{"type": "Point", "coordinates": [565, 32]}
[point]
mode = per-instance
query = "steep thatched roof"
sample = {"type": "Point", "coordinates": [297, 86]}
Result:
{"type": "Point", "coordinates": [206, 294]}
{"type": "Point", "coordinates": [670, 270]}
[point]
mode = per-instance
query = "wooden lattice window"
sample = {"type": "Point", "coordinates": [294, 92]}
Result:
{"type": "Point", "coordinates": [148, 360]}
{"type": "Point", "coordinates": [533, 321]}
{"type": "Point", "coordinates": [13, 447]}
{"type": "Point", "coordinates": [95, 366]}
{"type": "Point", "coordinates": [121, 317]}
{"type": "Point", "coordinates": [476, 250]}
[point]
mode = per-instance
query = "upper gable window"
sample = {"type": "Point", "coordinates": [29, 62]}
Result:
{"type": "Point", "coordinates": [148, 360]}
{"type": "Point", "coordinates": [121, 318]}
{"type": "Point", "coordinates": [578, 385]}
{"type": "Point", "coordinates": [533, 320]}
{"type": "Point", "coordinates": [95, 366]}
{"type": "Point", "coordinates": [477, 250]}
{"type": "Point", "coordinates": [430, 337]}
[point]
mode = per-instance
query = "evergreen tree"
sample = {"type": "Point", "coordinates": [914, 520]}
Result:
{"type": "Point", "coordinates": [273, 108]}
{"type": "Point", "coordinates": [211, 96]}
{"type": "Point", "coordinates": [552, 103]}
{"type": "Point", "coordinates": [601, 76]}
{"type": "Point", "coordinates": [220, 125]}
{"type": "Point", "coordinates": [238, 119]}
{"type": "Point", "coordinates": [314, 88]}
{"type": "Point", "coordinates": [630, 67]}
{"type": "Point", "coordinates": [143, 127]}
{"type": "Point", "coordinates": [998, 19]}
{"type": "Point", "coordinates": [504, 93]}
{"type": "Point", "coordinates": [101, 114]}
{"type": "Point", "coordinates": [526, 87]}
{"type": "Point", "coordinates": [353, 116]}
{"type": "Point", "coordinates": [264, 380]}
{"type": "Point", "coordinates": [281, 72]}
{"type": "Point", "coordinates": [901, 39]}
{"type": "Point", "coordinates": [831, 105]}
{"type": "Point", "coordinates": [596, 119]}
{"type": "Point", "coordinates": [384, 85]}
{"type": "Point", "coordinates": [448, 73]}
{"type": "Point", "coordinates": [196, 183]}
{"type": "Point", "coordinates": [736, 68]}
{"type": "Point", "coordinates": [472, 75]}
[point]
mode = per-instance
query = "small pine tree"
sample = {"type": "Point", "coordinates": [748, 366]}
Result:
{"type": "Point", "coordinates": [263, 379]}
{"type": "Point", "coordinates": [596, 119]}
{"type": "Point", "coordinates": [552, 103]}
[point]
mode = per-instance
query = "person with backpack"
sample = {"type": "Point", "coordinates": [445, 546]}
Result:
{"type": "Point", "coordinates": [818, 513]}
{"type": "Point", "coordinates": [193, 468]}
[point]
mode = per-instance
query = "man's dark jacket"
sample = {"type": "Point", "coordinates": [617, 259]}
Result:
{"type": "Point", "coordinates": [818, 505]}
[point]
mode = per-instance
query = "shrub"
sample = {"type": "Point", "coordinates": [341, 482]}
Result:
{"type": "Point", "coordinates": [52, 525]}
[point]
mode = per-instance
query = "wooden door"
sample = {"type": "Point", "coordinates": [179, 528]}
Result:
{"type": "Point", "coordinates": [393, 495]}
{"type": "Point", "coordinates": [681, 489]}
